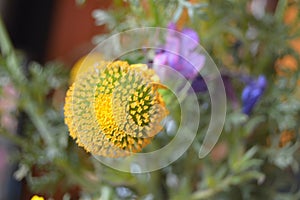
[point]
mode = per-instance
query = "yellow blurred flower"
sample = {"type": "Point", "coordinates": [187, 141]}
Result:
{"type": "Point", "coordinates": [84, 64]}
{"type": "Point", "coordinates": [114, 109]}
{"type": "Point", "coordinates": [35, 197]}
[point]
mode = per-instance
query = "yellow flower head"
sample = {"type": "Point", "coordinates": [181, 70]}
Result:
{"type": "Point", "coordinates": [114, 109]}
{"type": "Point", "coordinates": [35, 197]}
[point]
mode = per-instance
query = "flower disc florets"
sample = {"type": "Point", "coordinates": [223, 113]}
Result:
{"type": "Point", "coordinates": [114, 109]}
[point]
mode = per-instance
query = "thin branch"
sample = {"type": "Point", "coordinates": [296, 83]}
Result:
{"type": "Point", "coordinates": [14, 69]}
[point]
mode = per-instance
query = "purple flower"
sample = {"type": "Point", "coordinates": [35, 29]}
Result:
{"type": "Point", "coordinates": [252, 93]}
{"type": "Point", "coordinates": [179, 52]}
{"type": "Point", "coordinates": [199, 85]}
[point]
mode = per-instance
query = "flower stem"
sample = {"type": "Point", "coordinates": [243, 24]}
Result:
{"type": "Point", "coordinates": [7, 51]}
{"type": "Point", "coordinates": [13, 67]}
{"type": "Point", "coordinates": [227, 182]}
{"type": "Point", "coordinates": [204, 194]}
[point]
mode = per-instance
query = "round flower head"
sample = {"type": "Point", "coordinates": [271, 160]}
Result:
{"type": "Point", "coordinates": [114, 109]}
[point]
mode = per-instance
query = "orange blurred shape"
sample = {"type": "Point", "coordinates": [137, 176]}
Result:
{"type": "Point", "coordinates": [219, 152]}
{"type": "Point", "coordinates": [289, 63]}
{"type": "Point", "coordinates": [286, 137]}
{"type": "Point", "coordinates": [73, 28]}
{"type": "Point", "coordinates": [184, 17]}
{"type": "Point", "coordinates": [286, 64]}
{"type": "Point", "coordinates": [146, 7]}
{"type": "Point", "coordinates": [291, 14]}
{"type": "Point", "coordinates": [195, 1]}
{"type": "Point", "coordinates": [295, 44]}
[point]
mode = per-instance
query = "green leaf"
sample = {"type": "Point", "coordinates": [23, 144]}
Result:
{"type": "Point", "coordinates": [253, 122]}
{"type": "Point", "coordinates": [280, 10]}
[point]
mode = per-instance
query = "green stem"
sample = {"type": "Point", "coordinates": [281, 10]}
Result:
{"type": "Point", "coordinates": [280, 10]}
{"type": "Point", "coordinates": [39, 123]}
{"type": "Point", "coordinates": [184, 92]}
{"type": "Point", "coordinates": [77, 174]}
{"type": "Point", "coordinates": [230, 180]}
{"type": "Point", "coordinates": [14, 69]}
{"type": "Point", "coordinates": [154, 12]}
{"type": "Point", "coordinates": [8, 52]}
{"type": "Point", "coordinates": [155, 186]}
{"type": "Point", "coordinates": [204, 194]}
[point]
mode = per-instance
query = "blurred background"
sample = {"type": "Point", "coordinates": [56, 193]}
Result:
{"type": "Point", "coordinates": [257, 156]}
{"type": "Point", "coordinates": [51, 29]}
